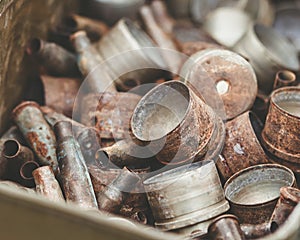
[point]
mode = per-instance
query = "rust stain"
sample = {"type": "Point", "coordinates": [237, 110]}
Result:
{"type": "Point", "coordinates": [40, 147]}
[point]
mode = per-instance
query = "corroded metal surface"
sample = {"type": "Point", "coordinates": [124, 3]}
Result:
{"type": "Point", "coordinates": [242, 148]}
{"type": "Point", "coordinates": [226, 227]}
{"type": "Point", "coordinates": [19, 21]}
{"type": "Point", "coordinates": [254, 191]}
{"type": "Point", "coordinates": [76, 181]}
{"type": "Point", "coordinates": [47, 185]}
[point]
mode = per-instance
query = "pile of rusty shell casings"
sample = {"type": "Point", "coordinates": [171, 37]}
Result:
{"type": "Point", "coordinates": [185, 197]}
{"type": "Point", "coordinates": [76, 181]}
{"type": "Point", "coordinates": [242, 148]}
{"type": "Point", "coordinates": [37, 132]}
{"type": "Point", "coordinates": [47, 185]}
{"type": "Point", "coordinates": [20, 163]}
{"type": "Point", "coordinates": [178, 124]}
{"type": "Point", "coordinates": [111, 198]}
{"type": "Point", "coordinates": [98, 77]}
{"type": "Point", "coordinates": [280, 135]}
{"type": "Point", "coordinates": [53, 59]}
{"type": "Point", "coordinates": [60, 93]}
{"type": "Point", "coordinates": [130, 53]}
{"type": "Point", "coordinates": [254, 191]}
{"type": "Point", "coordinates": [289, 198]}
{"type": "Point", "coordinates": [109, 113]}
{"type": "Point", "coordinates": [225, 80]}
{"type": "Point", "coordinates": [268, 52]}
{"type": "Point", "coordinates": [226, 227]}
{"type": "Point", "coordinates": [94, 29]}
{"type": "Point", "coordinates": [112, 11]}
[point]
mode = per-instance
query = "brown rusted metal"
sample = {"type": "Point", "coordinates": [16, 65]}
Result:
{"type": "Point", "coordinates": [242, 147]}
{"type": "Point", "coordinates": [162, 39]}
{"type": "Point", "coordinates": [20, 163]}
{"type": "Point", "coordinates": [76, 181]}
{"type": "Point", "coordinates": [53, 59]}
{"type": "Point", "coordinates": [98, 77]}
{"type": "Point", "coordinates": [37, 132]}
{"type": "Point", "coordinates": [60, 93]}
{"type": "Point", "coordinates": [190, 48]}
{"type": "Point", "coordinates": [280, 135]}
{"type": "Point", "coordinates": [284, 78]}
{"type": "Point", "coordinates": [139, 217]}
{"type": "Point", "coordinates": [261, 105]}
{"type": "Point", "coordinates": [178, 124]}
{"type": "Point", "coordinates": [226, 227]}
{"type": "Point", "coordinates": [162, 17]}
{"type": "Point", "coordinates": [124, 154]}
{"type": "Point", "coordinates": [113, 195]}
{"type": "Point", "coordinates": [177, 202]}
{"type": "Point", "coordinates": [221, 77]}
{"type": "Point", "coordinates": [289, 198]}
{"type": "Point", "coordinates": [47, 185]}
{"type": "Point", "coordinates": [254, 191]}
{"type": "Point", "coordinates": [94, 29]}
{"type": "Point", "coordinates": [254, 231]}
{"type": "Point", "coordinates": [109, 113]}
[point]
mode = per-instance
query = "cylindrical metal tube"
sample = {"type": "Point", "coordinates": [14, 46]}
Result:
{"type": "Point", "coordinates": [113, 195]}
{"type": "Point", "coordinates": [254, 231]}
{"type": "Point", "coordinates": [284, 78]}
{"type": "Point", "coordinates": [13, 133]}
{"type": "Point", "coordinates": [76, 181]}
{"type": "Point", "coordinates": [47, 185]}
{"type": "Point", "coordinates": [226, 227]}
{"type": "Point", "coordinates": [162, 17]}
{"type": "Point", "coordinates": [98, 77]}
{"type": "Point", "coordinates": [37, 132]}
{"type": "Point", "coordinates": [289, 198]}
{"type": "Point", "coordinates": [54, 60]}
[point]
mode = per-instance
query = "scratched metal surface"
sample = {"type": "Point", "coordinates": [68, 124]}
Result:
{"type": "Point", "coordinates": [20, 20]}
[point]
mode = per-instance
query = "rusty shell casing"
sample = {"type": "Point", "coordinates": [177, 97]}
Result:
{"type": "Point", "coordinates": [261, 106]}
{"type": "Point", "coordinates": [20, 161]}
{"type": "Point", "coordinates": [254, 191]}
{"type": "Point", "coordinates": [178, 124]}
{"type": "Point", "coordinates": [54, 60]}
{"type": "Point", "coordinates": [273, 52]}
{"type": "Point", "coordinates": [254, 231]}
{"type": "Point", "coordinates": [284, 78]}
{"type": "Point", "coordinates": [124, 154]}
{"type": "Point", "coordinates": [242, 147]}
{"type": "Point", "coordinates": [47, 185]}
{"type": "Point", "coordinates": [162, 17]}
{"type": "Point", "coordinates": [94, 29]}
{"type": "Point", "coordinates": [227, 25]}
{"type": "Point", "coordinates": [225, 80]}
{"type": "Point", "coordinates": [98, 77]}
{"type": "Point", "coordinates": [177, 201]}
{"type": "Point", "coordinates": [37, 132]}
{"type": "Point", "coordinates": [17, 187]}
{"type": "Point", "coordinates": [88, 138]}
{"type": "Point", "coordinates": [76, 181]}
{"type": "Point", "coordinates": [60, 93]}
{"type": "Point", "coordinates": [113, 195]}
{"type": "Point", "coordinates": [226, 227]}
{"type": "Point", "coordinates": [109, 113]}
{"type": "Point", "coordinates": [289, 198]}
{"type": "Point", "coordinates": [139, 59]}
{"type": "Point", "coordinates": [13, 133]}
{"type": "Point", "coordinates": [162, 39]}
{"type": "Point", "coordinates": [280, 135]}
